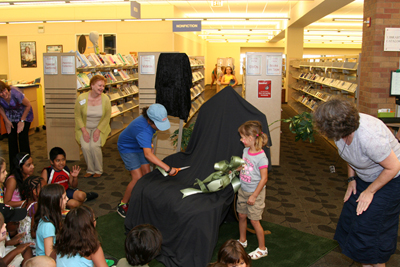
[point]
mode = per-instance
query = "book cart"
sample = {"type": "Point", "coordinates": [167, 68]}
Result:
{"type": "Point", "coordinates": [66, 75]}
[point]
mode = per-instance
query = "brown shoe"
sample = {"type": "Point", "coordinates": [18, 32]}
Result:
{"type": "Point", "coordinates": [87, 175]}
{"type": "Point", "coordinates": [97, 175]}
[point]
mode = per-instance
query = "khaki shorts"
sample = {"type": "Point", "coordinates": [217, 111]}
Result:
{"type": "Point", "coordinates": [253, 212]}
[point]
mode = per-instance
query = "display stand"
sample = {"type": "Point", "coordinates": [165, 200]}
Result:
{"type": "Point", "coordinates": [62, 76]}
{"type": "Point", "coordinates": [264, 90]}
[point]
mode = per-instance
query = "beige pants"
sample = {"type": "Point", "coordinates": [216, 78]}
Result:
{"type": "Point", "coordinates": [92, 154]}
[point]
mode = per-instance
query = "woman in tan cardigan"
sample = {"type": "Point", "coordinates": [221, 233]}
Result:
{"type": "Point", "coordinates": [92, 124]}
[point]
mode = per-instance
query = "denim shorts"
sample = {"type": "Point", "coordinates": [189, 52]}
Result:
{"type": "Point", "coordinates": [133, 161]}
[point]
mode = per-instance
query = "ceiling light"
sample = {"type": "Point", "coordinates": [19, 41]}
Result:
{"type": "Point", "coordinates": [24, 22]}
{"type": "Point", "coordinates": [236, 40]}
{"type": "Point", "coordinates": [40, 3]}
{"type": "Point", "coordinates": [348, 19]}
{"type": "Point", "coordinates": [62, 21]}
{"type": "Point", "coordinates": [256, 41]}
{"type": "Point", "coordinates": [137, 20]}
{"type": "Point", "coordinates": [102, 20]}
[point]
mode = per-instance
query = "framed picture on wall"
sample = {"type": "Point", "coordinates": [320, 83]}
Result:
{"type": "Point", "coordinates": [28, 54]}
{"type": "Point", "coordinates": [54, 48]}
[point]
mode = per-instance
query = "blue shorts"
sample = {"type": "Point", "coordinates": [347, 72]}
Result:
{"type": "Point", "coordinates": [133, 161]}
{"type": "Point", "coordinates": [70, 192]}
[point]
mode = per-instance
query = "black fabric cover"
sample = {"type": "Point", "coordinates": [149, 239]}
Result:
{"type": "Point", "coordinates": [190, 226]}
{"type": "Point", "coordinates": [173, 83]}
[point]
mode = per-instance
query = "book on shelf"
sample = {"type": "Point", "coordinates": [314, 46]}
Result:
{"type": "Point", "coordinates": [116, 60]}
{"type": "Point", "coordinates": [110, 59]}
{"type": "Point", "coordinates": [94, 59]}
{"type": "Point", "coordinates": [84, 79]}
{"type": "Point", "coordinates": [79, 85]}
{"type": "Point", "coordinates": [83, 61]}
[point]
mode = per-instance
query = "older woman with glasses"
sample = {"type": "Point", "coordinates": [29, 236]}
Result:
{"type": "Point", "coordinates": [17, 113]}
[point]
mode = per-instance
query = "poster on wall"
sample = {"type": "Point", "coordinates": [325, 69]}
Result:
{"type": "Point", "coordinates": [68, 65]}
{"type": "Point", "coordinates": [264, 88]}
{"type": "Point", "coordinates": [253, 65]}
{"type": "Point", "coordinates": [147, 64]}
{"type": "Point", "coordinates": [392, 39]}
{"type": "Point", "coordinates": [50, 65]}
{"type": "Point", "coordinates": [28, 54]}
{"type": "Point", "coordinates": [274, 65]}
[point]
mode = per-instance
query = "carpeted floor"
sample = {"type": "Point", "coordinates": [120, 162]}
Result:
{"type": "Point", "coordinates": [287, 246]}
{"type": "Point", "coordinates": [301, 193]}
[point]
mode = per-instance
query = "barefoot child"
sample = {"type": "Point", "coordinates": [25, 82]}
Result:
{"type": "Point", "coordinates": [59, 173]}
{"type": "Point", "coordinates": [253, 177]}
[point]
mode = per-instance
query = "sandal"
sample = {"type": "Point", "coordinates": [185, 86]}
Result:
{"type": "Point", "coordinates": [258, 253]}
{"type": "Point", "coordinates": [244, 244]}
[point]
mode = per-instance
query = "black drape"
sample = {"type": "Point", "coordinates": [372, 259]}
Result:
{"type": "Point", "coordinates": [190, 226]}
{"type": "Point", "coordinates": [173, 83]}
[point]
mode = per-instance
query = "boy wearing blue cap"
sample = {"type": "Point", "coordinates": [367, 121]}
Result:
{"type": "Point", "coordinates": [135, 147]}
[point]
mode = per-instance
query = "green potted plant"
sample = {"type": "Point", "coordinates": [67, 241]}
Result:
{"type": "Point", "coordinates": [301, 125]}
{"type": "Point", "coordinates": [186, 134]}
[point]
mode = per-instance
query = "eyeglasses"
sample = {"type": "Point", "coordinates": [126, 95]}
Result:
{"type": "Point", "coordinates": [95, 219]}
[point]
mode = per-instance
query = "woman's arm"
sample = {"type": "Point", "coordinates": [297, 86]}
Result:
{"type": "Point", "coordinates": [80, 124]}
{"type": "Point", "coordinates": [153, 159]}
{"type": "Point", "coordinates": [98, 258]}
{"type": "Point", "coordinates": [11, 185]}
{"type": "Point", "coordinates": [261, 184]}
{"type": "Point", "coordinates": [105, 120]}
{"type": "Point", "coordinates": [351, 187]}
{"type": "Point", "coordinates": [27, 104]}
{"type": "Point", "coordinates": [391, 166]}
{"type": "Point", "coordinates": [48, 245]}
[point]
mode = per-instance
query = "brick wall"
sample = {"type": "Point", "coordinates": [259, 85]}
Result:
{"type": "Point", "coordinates": [376, 64]}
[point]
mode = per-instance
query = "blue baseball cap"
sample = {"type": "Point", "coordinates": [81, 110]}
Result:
{"type": "Point", "coordinates": [158, 114]}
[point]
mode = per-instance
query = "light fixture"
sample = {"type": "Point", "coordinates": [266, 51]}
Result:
{"type": "Point", "coordinates": [137, 20]}
{"type": "Point", "coordinates": [102, 20]}
{"type": "Point", "coordinates": [348, 19]}
{"type": "Point", "coordinates": [24, 22]}
{"type": "Point", "coordinates": [236, 40]}
{"type": "Point", "coordinates": [40, 3]}
{"type": "Point", "coordinates": [256, 41]}
{"type": "Point", "coordinates": [62, 21]}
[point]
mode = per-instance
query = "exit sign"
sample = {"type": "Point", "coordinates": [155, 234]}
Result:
{"type": "Point", "coordinates": [216, 3]}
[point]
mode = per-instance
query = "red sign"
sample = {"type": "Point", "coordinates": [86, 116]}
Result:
{"type": "Point", "coordinates": [264, 88]}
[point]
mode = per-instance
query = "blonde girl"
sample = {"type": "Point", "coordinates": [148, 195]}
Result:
{"type": "Point", "coordinates": [253, 177]}
{"type": "Point", "coordinates": [232, 254]}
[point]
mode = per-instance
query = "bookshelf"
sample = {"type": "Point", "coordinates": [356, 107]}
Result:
{"type": "Point", "coordinates": [66, 75]}
{"type": "Point", "coordinates": [316, 80]}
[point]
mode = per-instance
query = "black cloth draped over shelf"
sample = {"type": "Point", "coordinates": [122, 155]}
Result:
{"type": "Point", "coordinates": [173, 83]}
{"type": "Point", "coordinates": [190, 226]}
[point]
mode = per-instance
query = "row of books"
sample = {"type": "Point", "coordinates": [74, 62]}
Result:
{"type": "Point", "coordinates": [348, 86]}
{"type": "Point", "coordinates": [196, 76]}
{"type": "Point", "coordinates": [83, 79]}
{"type": "Point", "coordinates": [119, 108]}
{"type": "Point", "coordinates": [196, 90]}
{"type": "Point", "coordinates": [312, 91]}
{"type": "Point", "coordinates": [196, 105]}
{"type": "Point", "coordinates": [195, 61]}
{"type": "Point", "coordinates": [99, 60]}
{"type": "Point", "coordinates": [309, 102]}
{"type": "Point", "coordinates": [118, 92]}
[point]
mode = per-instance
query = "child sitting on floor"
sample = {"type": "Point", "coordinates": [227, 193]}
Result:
{"type": "Point", "coordinates": [232, 254]}
{"type": "Point", "coordinates": [72, 250]}
{"type": "Point", "coordinates": [59, 173]}
{"type": "Point", "coordinates": [142, 245]}
{"type": "Point", "coordinates": [12, 255]}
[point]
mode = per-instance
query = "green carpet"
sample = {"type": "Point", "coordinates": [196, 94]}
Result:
{"type": "Point", "coordinates": [286, 246]}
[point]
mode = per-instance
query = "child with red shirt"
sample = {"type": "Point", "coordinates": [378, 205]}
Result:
{"type": "Point", "coordinates": [59, 173]}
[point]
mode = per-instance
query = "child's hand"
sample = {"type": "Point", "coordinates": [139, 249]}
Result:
{"type": "Point", "coordinates": [15, 240]}
{"type": "Point", "coordinates": [75, 171]}
{"type": "Point", "coordinates": [22, 247]}
{"type": "Point", "coordinates": [251, 200]}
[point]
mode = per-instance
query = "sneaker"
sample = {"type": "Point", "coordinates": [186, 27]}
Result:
{"type": "Point", "coordinates": [122, 209]}
{"type": "Point", "coordinates": [91, 196]}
